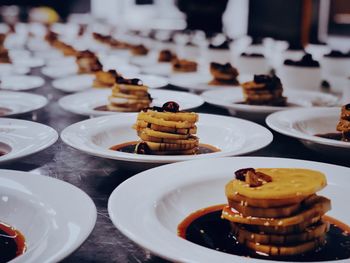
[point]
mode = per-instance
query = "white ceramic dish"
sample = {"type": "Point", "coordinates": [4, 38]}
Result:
{"type": "Point", "coordinates": [84, 103]}
{"type": "Point", "coordinates": [9, 69]}
{"type": "Point", "coordinates": [303, 124]}
{"type": "Point", "coordinates": [56, 72]}
{"type": "Point", "coordinates": [55, 217]}
{"type": "Point", "coordinates": [162, 69]}
{"type": "Point", "coordinates": [170, 193]}
{"type": "Point", "coordinates": [19, 138]}
{"type": "Point", "coordinates": [96, 136]}
{"type": "Point", "coordinates": [29, 62]}
{"type": "Point", "coordinates": [74, 83]}
{"type": "Point", "coordinates": [20, 102]}
{"type": "Point", "coordinates": [21, 82]}
{"type": "Point", "coordinates": [231, 99]}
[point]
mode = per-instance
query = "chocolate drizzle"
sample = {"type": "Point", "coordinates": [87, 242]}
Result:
{"type": "Point", "coordinates": [135, 81]}
{"type": "Point", "coordinates": [306, 61]}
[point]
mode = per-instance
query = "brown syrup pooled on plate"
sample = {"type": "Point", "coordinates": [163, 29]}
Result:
{"type": "Point", "coordinates": [12, 243]}
{"type": "Point", "coordinates": [129, 147]}
{"type": "Point", "coordinates": [206, 228]}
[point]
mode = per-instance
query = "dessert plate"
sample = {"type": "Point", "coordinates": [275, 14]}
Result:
{"type": "Point", "coordinates": [74, 83]}
{"type": "Point", "coordinates": [180, 189]}
{"type": "Point", "coordinates": [163, 69]}
{"type": "Point", "coordinates": [199, 82]}
{"type": "Point", "coordinates": [303, 124]}
{"type": "Point", "coordinates": [96, 136]}
{"type": "Point", "coordinates": [84, 103]}
{"type": "Point", "coordinates": [8, 69]}
{"type": "Point", "coordinates": [29, 62]}
{"type": "Point", "coordinates": [56, 72]}
{"type": "Point", "coordinates": [19, 138]}
{"type": "Point", "coordinates": [231, 99]}
{"type": "Point", "coordinates": [15, 103]}
{"type": "Point", "coordinates": [21, 82]}
{"type": "Point", "coordinates": [53, 227]}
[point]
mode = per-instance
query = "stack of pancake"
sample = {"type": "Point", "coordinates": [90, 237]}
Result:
{"type": "Point", "coordinates": [105, 79]}
{"type": "Point", "coordinates": [4, 56]}
{"type": "Point", "coordinates": [184, 65]}
{"type": "Point", "coordinates": [344, 123]}
{"type": "Point", "coordinates": [167, 131]}
{"type": "Point", "coordinates": [166, 55]}
{"type": "Point", "coordinates": [275, 211]}
{"type": "Point", "coordinates": [129, 95]}
{"type": "Point", "coordinates": [264, 90]}
{"type": "Point", "coordinates": [223, 74]}
{"type": "Point", "coordinates": [88, 62]}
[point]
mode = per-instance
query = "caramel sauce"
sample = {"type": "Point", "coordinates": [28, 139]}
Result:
{"type": "Point", "coordinates": [102, 108]}
{"type": "Point", "coordinates": [332, 135]}
{"type": "Point", "coordinates": [205, 227]}
{"type": "Point", "coordinates": [4, 111]}
{"type": "Point", "coordinates": [12, 243]}
{"type": "Point", "coordinates": [129, 147]}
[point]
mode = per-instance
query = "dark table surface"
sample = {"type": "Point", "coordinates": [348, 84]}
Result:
{"type": "Point", "coordinates": [99, 177]}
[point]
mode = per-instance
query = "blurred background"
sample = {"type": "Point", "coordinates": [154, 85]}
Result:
{"type": "Point", "coordinates": [297, 21]}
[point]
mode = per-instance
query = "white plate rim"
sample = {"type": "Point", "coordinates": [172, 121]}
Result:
{"type": "Point", "coordinates": [72, 131]}
{"type": "Point", "coordinates": [154, 173]}
{"type": "Point", "coordinates": [89, 208]}
{"type": "Point", "coordinates": [271, 121]}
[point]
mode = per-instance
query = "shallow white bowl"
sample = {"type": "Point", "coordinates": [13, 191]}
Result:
{"type": "Point", "coordinates": [10, 69]}
{"type": "Point", "coordinates": [231, 99]}
{"type": "Point", "coordinates": [21, 82]}
{"type": "Point", "coordinates": [21, 102]}
{"type": "Point", "coordinates": [22, 138]}
{"type": "Point", "coordinates": [170, 193]}
{"type": "Point", "coordinates": [84, 103]}
{"type": "Point", "coordinates": [303, 124]}
{"type": "Point", "coordinates": [55, 217]}
{"type": "Point", "coordinates": [233, 136]}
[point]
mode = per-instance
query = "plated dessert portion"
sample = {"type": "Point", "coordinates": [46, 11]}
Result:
{"type": "Point", "coordinates": [264, 90]}
{"type": "Point", "coordinates": [12, 242]}
{"type": "Point", "coordinates": [166, 55]}
{"type": "Point", "coordinates": [105, 79]}
{"type": "Point", "coordinates": [166, 131]}
{"type": "Point", "coordinates": [184, 65]}
{"type": "Point", "coordinates": [272, 213]}
{"type": "Point", "coordinates": [343, 126]}
{"type": "Point", "coordinates": [88, 62]}
{"type": "Point", "coordinates": [223, 74]}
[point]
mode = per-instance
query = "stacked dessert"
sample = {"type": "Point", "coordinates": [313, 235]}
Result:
{"type": "Point", "coordinates": [276, 211]}
{"type": "Point", "coordinates": [344, 123]}
{"type": "Point", "coordinates": [166, 55]}
{"type": "Point", "coordinates": [264, 90]}
{"type": "Point", "coordinates": [223, 74]}
{"type": "Point", "coordinates": [167, 131]}
{"type": "Point", "coordinates": [183, 65]}
{"type": "Point", "coordinates": [52, 39]}
{"type": "Point", "coordinates": [4, 56]}
{"type": "Point", "coordinates": [105, 79]}
{"type": "Point", "coordinates": [88, 62]}
{"type": "Point", "coordinates": [129, 95]}
{"type": "Point", "coordinates": [138, 50]}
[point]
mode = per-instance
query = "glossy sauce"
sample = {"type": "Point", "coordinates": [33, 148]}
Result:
{"type": "Point", "coordinates": [102, 108]}
{"type": "Point", "coordinates": [4, 111]}
{"type": "Point", "coordinates": [206, 228]}
{"type": "Point", "coordinates": [12, 243]}
{"type": "Point", "coordinates": [129, 147]}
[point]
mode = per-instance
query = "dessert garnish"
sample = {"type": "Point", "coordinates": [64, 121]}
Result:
{"type": "Point", "coordinates": [306, 61]}
{"type": "Point", "coordinates": [184, 65]}
{"type": "Point", "coordinates": [281, 219]}
{"type": "Point", "coordinates": [264, 90]}
{"type": "Point", "coordinates": [88, 62]}
{"type": "Point", "coordinates": [223, 74]}
{"type": "Point", "coordinates": [129, 95]}
{"type": "Point", "coordinates": [105, 79]}
{"type": "Point", "coordinates": [166, 55]}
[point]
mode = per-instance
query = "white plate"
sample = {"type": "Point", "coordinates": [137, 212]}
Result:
{"type": "Point", "coordinates": [233, 136]}
{"type": "Point", "coordinates": [8, 69]}
{"type": "Point", "coordinates": [22, 138]}
{"type": "Point", "coordinates": [56, 72]}
{"type": "Point", "coordinates": [84, 102]}
{"type": "Point", "coordinates": [21, 82]}
{"type": "Point", "coordinates": [21, 102]}
{"type": "Point", "coordinates": [28, 62]}
{"type": "Point", "coordinates": [163, 69]}
{"type": "Point", "coordinates": [303, 124]}
{"type": "Point", "coordinates": [198, 82]}
{"type": "Point", "coordinates": [230, 98]}
{"type": "Point", "coordinates": [74, 83]}
{"type": "Point", "coordinates": [170, 193]}
{"type": "Point", "coordinates": [55, 217]}
{"type": "Point", "coordinates": [152, 81]}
